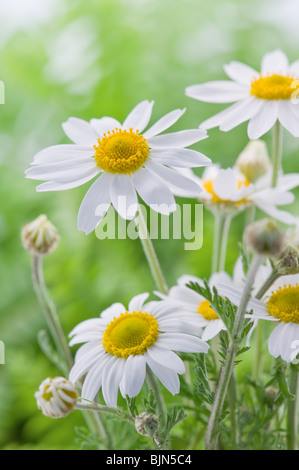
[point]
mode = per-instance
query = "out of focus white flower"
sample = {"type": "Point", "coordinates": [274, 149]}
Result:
{"type": "Point", "coordinates": [56, 397]}
{"type": "Point", "coordinates": [254, 162]}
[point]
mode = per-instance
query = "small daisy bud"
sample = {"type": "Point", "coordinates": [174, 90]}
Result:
{"type": "Point", "coordinates": [270, 395]}
{"type": "Point", "coordinates": [40, 237]}
{"type": "Point", "coordinates": [288, 261]}
{"type": "Point", "coordinates": [146, 424]}
{"type": "Point", "coordinates": [254, 161]}
{"type": "Point", "coordinates": [264, 237]}
{"type": "Point", "coordinates": [56, 397]}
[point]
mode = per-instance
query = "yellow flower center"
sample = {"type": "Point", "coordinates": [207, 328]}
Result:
{"type": "Point", "coordinates": [121, 151]}
{"type": "Point", "coordinates": [209, 187]}
{"type": "Point", "coordinates": [206, 311]}
{"type": "Point", "coordinates": [274, 87]}
{"type": "Point", "coordinates": [130, 333]}
{"type": "Point", "coordinates": [284, 304]}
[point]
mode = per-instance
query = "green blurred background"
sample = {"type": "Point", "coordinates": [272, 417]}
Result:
{"type": "Point", "coordinates": [62, 58]}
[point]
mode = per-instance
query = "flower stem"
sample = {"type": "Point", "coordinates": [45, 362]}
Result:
{"type": "Point", "coordinates": [228, 366]}
{"type": "Point", "coordinates": [150, 253]}
{"type": "Point", "coordinates": [218, 229]}
{"type": "Point", "coordinates": [151, 379]}
{"type": "Point", "coordinates": [267, 284]}
{"type": "Point", "coordinates": [49, 311]}
{"type": "Point", "coordinates": [292, 409]}
{"type": "Point", "coordinates": [232, 401]}
{"type": "Point", "coordinates": [276, 152]}
{"type": "Point", "coordinates": [224, 239]}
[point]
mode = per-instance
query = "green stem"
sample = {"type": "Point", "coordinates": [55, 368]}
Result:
{"type": "Point", "coordinates": [219, 219]}
{"type": "Point", "coordinates": [49, 311]}
{"type": "Point", "coordinates": [224, 239]}
{"type": "Point", "coordinates": [228, 366]}
{"type": "Point", "coordinates": [276, 152]}
{"type": "Point", "coordinates": [232, 402]}
{"type": "Point", "coordinates": [292, 409]}
{"type": "Point", "coordinates": [150, 253]}
{"type": "Point", "coordinates": [152, 382]}
{"type": "Point", "coordinates": [267, 284]}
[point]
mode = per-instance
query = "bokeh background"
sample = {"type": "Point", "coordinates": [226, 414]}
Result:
{"type": "Point", "coordinates": [62, 58]}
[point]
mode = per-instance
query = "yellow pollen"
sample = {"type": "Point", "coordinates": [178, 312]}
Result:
{"type": "Point", "coordinates": [284, 304]}
{"type": "Point", "coordinates": [121, 151]}
{"type": "Point", "coordinates": [130, 333]}
{"type": "Point", "coordinates": [274, 87]}
{"type": "Point", "coordinates": [206, 311]}
{"type": "Point", "coordinates": [209, 187]}
{"type": "Point", "coordinates": [47, 395]}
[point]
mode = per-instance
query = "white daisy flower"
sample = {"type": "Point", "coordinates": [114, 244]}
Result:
{"type": "Point", "coordinates": [280, 305]}
{"type": "Point", "coordinates": [260, 97]}
{"type": "Point", "coordinates": [194, 311]}
{"type": "Point", "coordinates": [122, 343]}
{"type": "Point", "coordinates": [127, 160]}
{"type": "Point", "coordinates": [56, 397]}
{"type": "Point", "coordinates": [229, 191]}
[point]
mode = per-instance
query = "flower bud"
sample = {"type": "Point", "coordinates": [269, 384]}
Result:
{"type": "Point", "coordinates": [288, 261]}
{"type": "Point", "coordinates": [146, 424]}
{"type": "Point", "coordinates": [254, 161]}
{"type": "Point", "coordinates": [264, 237]}
{"type": "Point", "coordinates": [56, 397]}
{"type": "Point", "coordinates": [40, 237]}
{"type": "Point", "coordinates": [270, 395]}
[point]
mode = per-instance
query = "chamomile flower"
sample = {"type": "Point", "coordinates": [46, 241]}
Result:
{"type": "Point", "coordinates": [126, 160]}
{"type": "Point", "coordinates": [194, 311]}
{"type": "Point", "coordinates": [229, 191]}
{"type": "Point", "coordinates": [280, 305]}
{"type": "Point", "coordinates": [260, 97]}
{"type": "Point", "coordinates": [123, 342]}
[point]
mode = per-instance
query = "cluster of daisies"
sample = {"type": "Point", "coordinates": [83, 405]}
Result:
{"type": "Point", "coordinates": [130, 159]}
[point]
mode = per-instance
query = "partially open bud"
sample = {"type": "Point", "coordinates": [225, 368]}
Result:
{"type": "Point", "coordinates": [40, 237]}
{"type": "Point", "coordinates": [146, 424]}
{"type": "Point", "coordinates": [254, 161]}
{"type": "Point", "coordinates": [56, 397]}
{"type": "Point", "coordinates": [288, 261]}
{"type": "Point", "coordinates": [265, 237]}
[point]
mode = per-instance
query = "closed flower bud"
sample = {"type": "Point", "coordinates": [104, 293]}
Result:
{"type": "Point", "coordinates": [288, 261]}
{"type": "Point", "coordinates": [146, 424]}
{"type": "Point", "coordinates": [56, 397]}
{"type": "Point", "coordinates": [270, 395]}
{"type": "Point", "coordinates": [254, 161]}
{"type": "Point", "coordinates": [40, 237]}
{"type": "Point", "coordinates": [264, 237]}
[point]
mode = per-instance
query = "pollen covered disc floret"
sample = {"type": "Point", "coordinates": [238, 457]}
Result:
{"type": "Point", "coordinates": [206, 311]}
{"type": "Point", "coordinates": [274, 87]}
{"type": "Point", "coordinates": [284, 304]}
{"type": "Point", "coordinates": [131, 333]}
{"type": "Point", "coordinates": [121, 151]}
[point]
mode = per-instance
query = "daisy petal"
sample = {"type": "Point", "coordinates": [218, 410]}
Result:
{"type": "Point", "coordinates": [123, 196]}
{"type": "Point", "coordinates": [62, 171]}
{"type": "Point", "coordinates": [80, 132]}
{"type": "Point", "coordinates": [154, 191]}
{"type": "Point", "coordinates": [177, 139]}
{"type": "Point", "coordinates": [182, 342]}
{"type": "Point", "coordinates": [212, 329]}
{"type": "Point", "coordinates": [58, 153]}
{"type": "Point", "coordinates": [133, 375]}
{"type": "Point", "coordinates": [264, 120]}
{"type": "Point", "coordinates": [245, 110]}
{"type": "Point", "coordinates": [275, 62]}
{"type": "Point", "coordinates": [180, 158]}
{"type": "Point", "coordinates": [111, 379]}
{"type": "Point", "coordinates": [97, 195]}
{"type": "Point", "coordinates": [174, 178]}
{"type": "Point", "coordinates": [137, 302]}
{"type": "Point", "coordinates": [220, 91]}
{"type": "Point", "coordinates": [105, 124]}
{"type": "Point", "coordinates": [63, 185]}
{"type": "Point", "coordinates": [166, 358]}
{"type": "Point", "coordinates": [139, 117]}
{"type": "Point", "coordinates": [164, 123]}
{"type": "Point", "coordinates": [168, 377]}
{"type": "Point", "coordinates": [240, 72]}
{"type": "Point", "coordinates": [287, 118]}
